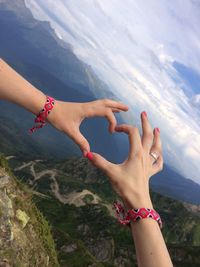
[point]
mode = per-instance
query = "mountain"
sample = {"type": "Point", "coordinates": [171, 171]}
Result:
{"type": "Point", "coordinates": [35, 42]}
{"type": "Point", "coordinates": [172, 184]}
{"type": "Point", "coordinates": [78, 204]}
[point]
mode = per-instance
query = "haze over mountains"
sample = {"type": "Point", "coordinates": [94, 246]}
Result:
{"type": "Point", "coordinates": [34, 50]}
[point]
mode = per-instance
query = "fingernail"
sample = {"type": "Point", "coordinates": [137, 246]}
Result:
{"type": "Point", "coordinates": [85, 153]}
{"type": "Point", "coordinates": [144, 113]}
{"type": "Point", "coordinates": [89, 155]}
{"type": "Point", "coordinates": [157, 130]}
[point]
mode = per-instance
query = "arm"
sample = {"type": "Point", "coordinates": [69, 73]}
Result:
{"type": "Point", "coordinates": [130, 180]}
{"type": "Point", "coordinates": [150, 246]}
{"type": "Point", "coordinates": [65, 116]}
{"type": "Point", "coordinates": [14, 88]}
{"type": "Point", "coordinates": [151, 250]}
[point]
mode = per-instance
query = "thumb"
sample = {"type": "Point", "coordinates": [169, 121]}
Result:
{"type": "Point", "coordinates": [100, 162]}
{"type": "Point", "coordinates": [81, 141]}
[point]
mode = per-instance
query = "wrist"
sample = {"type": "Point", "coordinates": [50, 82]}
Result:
{"type": "Point", "coordinates": [41, 117]}
{"type": "Point", "coordinates": [137, 201]}
{"type": "Point", "coordinates": [53, 116]}
{"type": "Point", "coordinates": [38, 104]}
{"type": "Point", "coordinates": [134, 214]}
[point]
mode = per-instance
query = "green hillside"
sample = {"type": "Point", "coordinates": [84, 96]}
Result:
{"type": "Point", "coordinates": [77, 201]}
{"type": "Point", "coordinates": [25, 235]}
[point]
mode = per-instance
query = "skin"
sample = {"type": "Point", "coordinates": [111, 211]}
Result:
{"type": "Point", "coordinates": [65, 116]}
{"type": "Point", "coordinates": [130, 180]}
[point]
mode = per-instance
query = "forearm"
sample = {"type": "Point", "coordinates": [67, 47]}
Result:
{"type": "Point", "coordinates": [150, 246]}
{"type": "Point", "coordinates": [14, 88]}
{"type": "Point", "coordinates": [151, 250]}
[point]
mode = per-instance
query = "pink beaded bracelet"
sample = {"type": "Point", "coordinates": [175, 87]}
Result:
{"type": "Point", "coordinates": [40, 119]}
{"type": "Point", "coordinates": [135, 214]}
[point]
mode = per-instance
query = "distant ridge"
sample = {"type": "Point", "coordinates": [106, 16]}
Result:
{"type": "Point", "coordinates": [171, 184]}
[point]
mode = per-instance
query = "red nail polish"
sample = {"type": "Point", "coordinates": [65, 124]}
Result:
{"type": "Point", "coordinates": [144, 113]}
{"type": "Point", "coordinates": [89, 155]}
{"type": "Point", "coordinates": [157, 130]}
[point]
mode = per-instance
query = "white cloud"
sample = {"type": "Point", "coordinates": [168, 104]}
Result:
{"type": "Point", "coordinates": [196, 100]}
{"type": "Point", "coordinates": [132, 46]}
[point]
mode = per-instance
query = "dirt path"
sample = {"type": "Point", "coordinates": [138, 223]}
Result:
{"type": "Point", "coordinates": [38, 175]}
{"type": "Point", "coordinates": [76, 198]}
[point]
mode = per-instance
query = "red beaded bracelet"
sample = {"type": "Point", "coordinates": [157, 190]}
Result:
{"type": "Point", "coordinates": [135, 214]}
{"type": "Point", "coordinates": [40, 119]}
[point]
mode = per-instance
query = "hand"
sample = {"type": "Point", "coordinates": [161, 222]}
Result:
{"type": "Point", "coordinates": [130, 179]}
{"type": "Point", "coordinates": [67, 117]}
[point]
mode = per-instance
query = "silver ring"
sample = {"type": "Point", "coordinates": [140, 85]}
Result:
{"type": "Point", "coordinates": [154, 155]}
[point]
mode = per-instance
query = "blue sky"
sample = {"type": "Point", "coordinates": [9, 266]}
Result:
{"type": "Point", "coordinates": [148, 52]}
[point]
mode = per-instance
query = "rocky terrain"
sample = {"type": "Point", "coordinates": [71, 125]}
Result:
{"type": "Point", "coordinates": [25, 238]}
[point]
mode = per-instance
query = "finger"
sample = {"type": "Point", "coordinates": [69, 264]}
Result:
{"type": "Point", "coordinates": [101, 163]}
{"type": "Point", "coordinates": [107, 113]}
{"type": "Point", "coordinates": [158, 166]}
{"type": "Point", "coordinates": [111, 119]}
{"type": "Point", "coordinates": [115, 104]}
{"type": "Point", "coordinates": [134, 138]}
{"type": "Point", "coordinates": [157, 140]}
{"type": "Point", "coordinates": [115, 110]}
{"type": "Point", "coordinates": [157, 146]}
{"type": "Point", "coordinates": [81, 141]}
{"type": "Point", "coordinates": [147, 133]}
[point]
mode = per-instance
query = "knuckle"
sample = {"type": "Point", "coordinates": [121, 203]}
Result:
{"type": "Point", "coordinates": [157, 149]}
{"type": "Point", "coordinates": [97, 103]}
{"type": "Point", "coordinates": [81, 141]}
{"type": "Point", "coordinates": [160, 166]}
{"type": "Point", "coordinates": [108, 111]}
{"type": "Point", "coordinates": [133, 130]}
{"type": "Point", "coordinates": [105, 101]}
{"type": "Point", "coordinates": [110, 115]}
{"type": "Point", "coordinates": [149, 135]}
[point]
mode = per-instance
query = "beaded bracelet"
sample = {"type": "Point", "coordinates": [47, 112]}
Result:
{"type": "Point", "coordinates": [135, 214]}
{"type": "Point", "coordinates": [40, 119]}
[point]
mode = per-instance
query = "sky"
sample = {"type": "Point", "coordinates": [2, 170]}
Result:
{"type": "Point", "coordinates": [148, 52]}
